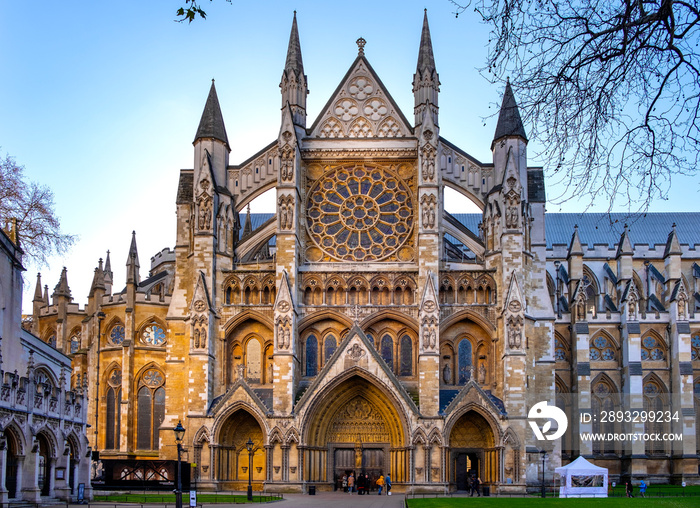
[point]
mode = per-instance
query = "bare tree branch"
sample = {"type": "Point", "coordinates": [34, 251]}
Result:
{"type": "Point", "coordinates": [611, 90]}
{"type": "Point", "coordinates": [32, 206]}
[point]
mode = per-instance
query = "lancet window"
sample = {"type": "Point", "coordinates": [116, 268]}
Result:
{"type": "Point", "coordinates": [113, 410]}
{"type": "Point", "coordinates": [464, 361]}
{"type": "Point", "coordinates": [150, 408]}
{"type": "Point", "coordinates": [311, 355]}
{"type": "Point", "coordinates": [387, 350]}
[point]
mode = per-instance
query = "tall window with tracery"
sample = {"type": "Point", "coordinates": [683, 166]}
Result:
{"type": "Point", "coordinates": [311, 355]}
{"type": "Point", "coordinates": [74, 344]}
{"type": "Point", "coordinates": [560, 351]}
{"type": "Point", "coordinates": [387, 351]}
{"type": "Point", "coordinates": [113, 410]}
{"type": "Point", "coordinates": [329, 347]}
{"type": "Point", "coordinates": [406, 367]}
{"type": "Point", "coordinates": [464, 361]}
{"type": "Point", "coordinates": [116, 335]}
{"type": "Point", "coordinates": [654, 400]}
{"type": "Point", "coordinates": [150, 409]}
{"type": "Point", "coordinates": [603, 400]}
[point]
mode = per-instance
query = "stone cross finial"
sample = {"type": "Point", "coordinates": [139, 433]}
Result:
{"type": "Point", "coordinates": [361, 46]}
{"type": "Point", "coordinates": [356, 312]}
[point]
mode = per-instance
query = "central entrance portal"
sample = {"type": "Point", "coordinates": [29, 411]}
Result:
{"type": "Point", "coordinates": [356, 429]}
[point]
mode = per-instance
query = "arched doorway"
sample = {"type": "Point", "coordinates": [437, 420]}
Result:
{"type": "Point", "coordinates": [44, 465]}
{"type": "Point", "coordinates": [11, 465]}
{"type": "Point", "coordinates": [232, 458]}
{"type": "Point", "coordinates": [355, 428]}
{"type": "Point", "coordinates": [472, 451]}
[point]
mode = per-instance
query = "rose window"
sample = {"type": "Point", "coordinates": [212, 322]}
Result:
{"type": "Point", "coordinates": [153, 335]}
{"type": "Point", "coordinates": [116, 336]}
{"type": "Point", "coordinates": [359, 213]}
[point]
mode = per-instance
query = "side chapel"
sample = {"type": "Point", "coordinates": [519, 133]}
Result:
{"type": "Point", "coordinates": [364, 328]}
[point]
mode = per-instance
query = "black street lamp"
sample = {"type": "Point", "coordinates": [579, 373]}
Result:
{"type": "Point", "coordinates": [179, 434]}
{"type": "Point", "coordinates": [544, 453]}
{"type": "Point", "coordinates": [249, 447]}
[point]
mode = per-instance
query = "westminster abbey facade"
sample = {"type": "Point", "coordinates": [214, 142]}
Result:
{"type": "Point", "coordinates": [362, 327]}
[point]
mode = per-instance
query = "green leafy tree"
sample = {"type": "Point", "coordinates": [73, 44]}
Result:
{"type": "Point", "coordinates": [611, 90]}
{"type": "Point", "coordinates": [31, 205]}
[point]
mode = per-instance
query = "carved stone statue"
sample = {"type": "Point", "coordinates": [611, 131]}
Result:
{"type": "Point", "coordinates": [482, 373]}
{"type": "Point", "coordinates": [447, 374]}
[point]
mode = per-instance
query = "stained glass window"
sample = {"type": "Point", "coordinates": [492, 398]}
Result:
{"type": "Point", "coordinates": [153, 335]}
{"type": "Point", "coordinates": [52, 341]}
{"type": "Point", "coordinates": [113, 416]}
{"type": "Point", "coordinates": [311, 355]}
{"type": "Point", "coordinates": [359, 213]}
{"type": "Point", "coordinates": [406, 356]}
{"type": "Point", "coordinates": [695, 347]}
{"type": "Point", "coordinates": [387, 351]}
{"type": "Point", "coordinates": [116, 336]}
{"type": "Point", "coordinates": [464, 354]}
{"type": "Point", "coordinates": [559, 351]}
{"type": "Point", "coordinates": [601, 349]}
{"type": "Point", "coordinates": [603, 401]}
{"type": "Point", "coordinates": [653, 401]}
{"type": "Point", "coordinates": [329, 346]}
{"type": "Point", "coordinates": [652, 349]}
{"type": "Point", "coordinates": [74, 344]}
{"type": "Point", "coordinates": [150, 407]}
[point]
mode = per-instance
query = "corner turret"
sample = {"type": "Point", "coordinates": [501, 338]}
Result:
{"type": "Point", "coordinates": [211, 138]}
{"type": "Point", "coordinates": [510, 137]}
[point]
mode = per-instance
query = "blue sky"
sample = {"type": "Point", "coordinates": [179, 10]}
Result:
{"type": "Point", "coordinates": [101, 100]}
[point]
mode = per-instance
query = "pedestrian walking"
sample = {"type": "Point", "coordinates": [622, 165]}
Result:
{"type": "Point", "coordinates": [380, 483]}
{"type": "Point", "coordinates": [345, 483]}
{"type": "Point", "coordinates": [628, 489]}
{"type": "Point", "coordinates": [351, 483]}
{"type": "Point", "coordinates": [387, 482]}
{"type": "Point", "coordinates": [642, 488]}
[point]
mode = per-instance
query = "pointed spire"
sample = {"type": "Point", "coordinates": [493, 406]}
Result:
{"type": "Point", "coordinates": [132, 262]}
{"type": "Point", "coordinates": [625, 244]}
{"type": "Point", "coordinates": [673, 246]}
{"type": "Point", "coordinates": [509, 121]}
{"type": "Point", "coordinates": [575, 247]}
{"type": "Point", "coordinates": [426, 60]}
{"type": "Point", "coordinates": [62, 288]}
{"type": "Point", "coordinates": [211, 124]}
{"type": "Point", "coordinates": [98, 280]}
{"type": "Point", "coordinates": [46, 294]}
{"type": "Point", "coordinates": [109, 276]}
{"type": "Point", "coordinates": [294, 61]}
{"type": "Point", "coordinates": [248, 227]}
{"type": "Point", "coordinates": [37, 290]}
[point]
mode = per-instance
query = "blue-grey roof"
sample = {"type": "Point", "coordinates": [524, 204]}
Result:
{"type": "Point", "coordinates": [256, 220]}
{"type": "Point", "coordinates": [593, 228]}
{"type": "Point", "coordinates": [603, 228]}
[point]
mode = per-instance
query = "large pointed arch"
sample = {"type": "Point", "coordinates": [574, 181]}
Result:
{"type": "Point", "coordinates": [352, 384]}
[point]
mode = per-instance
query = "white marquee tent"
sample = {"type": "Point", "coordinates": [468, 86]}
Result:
{"type": "Point", "coordinates": [580, 478]}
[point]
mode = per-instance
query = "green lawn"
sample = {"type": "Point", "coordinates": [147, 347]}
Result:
{"type": "Point", "coordinates": [522, 502]}
{"type": "Point", "coordinates": [170, 498]}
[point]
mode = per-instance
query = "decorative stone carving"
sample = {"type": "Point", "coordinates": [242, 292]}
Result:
{"type": "Point", "coordinates": [286, 212]}
{"type": "Point", "coordinates": [429, 327]}
{"type": "Point", "coordinates": [428, 206]}
{"type": "Point", "coordinates": [356, 352]}
{"type": "Point", "coordinates": [284, 333]}
{"type": "Point", "coordinates": [515, 333]}
{"type": "Point", "coordinates": [428, 159]}
{"type": "Point", "coordinates": [204, 214]}
{"type": "Point", "coordinates": [286, 162]}
{"type": "Point", "coordinates": [482, 373]}
{"type": "Point", "coordinates": [447, 374]}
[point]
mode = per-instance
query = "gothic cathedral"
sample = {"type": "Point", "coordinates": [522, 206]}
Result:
{"type": "Point", "coordinates": [364, 328]}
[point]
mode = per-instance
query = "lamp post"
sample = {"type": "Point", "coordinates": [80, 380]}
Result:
{"type": "Point", "coordinates": [249, 447]}
{"type": "Point", "coordinates": [179, 434]}
{"type": "Point", "coordinates": [544, 453]}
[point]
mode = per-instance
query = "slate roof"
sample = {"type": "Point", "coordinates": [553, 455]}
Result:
{"type": "Point", "coordinates": [593, 228]}
{"type": "Point", "coordinates": [211, 125]}
{"type": "Point", "coordinates": [185, 187]}
{"type": "Point", "coordinates": [535, 186]}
